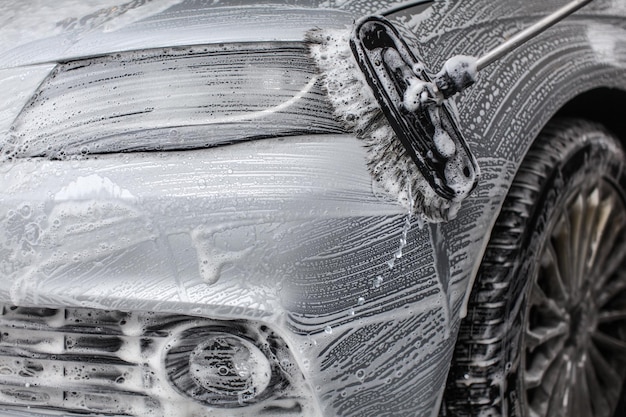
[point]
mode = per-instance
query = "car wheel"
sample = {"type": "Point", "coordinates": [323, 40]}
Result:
{"type": "Point", "coordinates": [545, 331]}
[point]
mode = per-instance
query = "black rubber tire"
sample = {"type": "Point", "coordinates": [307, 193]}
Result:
{"type": "Point", "coordinates": [486, 373]}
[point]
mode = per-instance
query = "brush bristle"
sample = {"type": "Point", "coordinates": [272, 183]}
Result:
{"type": "Point", "coordinates": [356, 107]}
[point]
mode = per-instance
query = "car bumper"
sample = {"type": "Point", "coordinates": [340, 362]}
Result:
{"type": "Point", "coordinates": [284, 233]}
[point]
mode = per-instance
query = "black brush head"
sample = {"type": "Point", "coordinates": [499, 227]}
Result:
{"type": "Point", "coordinates": [415, 108]}
{"type": "Point", "coordinates": [393, 170]}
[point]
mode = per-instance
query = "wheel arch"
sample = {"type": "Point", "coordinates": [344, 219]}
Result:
{"type": "Point", "coordinates": [601, 105]}
{"type": "Point", "coordinates": [598, 103]}
{"type": "Point", "coordinates": [482, 337]}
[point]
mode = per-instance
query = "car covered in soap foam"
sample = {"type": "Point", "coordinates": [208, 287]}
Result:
{"type": "Point", "coordinates": [188, 227]}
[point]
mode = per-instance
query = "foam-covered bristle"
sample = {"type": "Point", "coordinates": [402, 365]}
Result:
{"type": "Point", "coordinates": [355, 105]}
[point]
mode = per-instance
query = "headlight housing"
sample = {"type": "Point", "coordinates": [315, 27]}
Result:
{"type": "Point", "coordinates": [172, 99]}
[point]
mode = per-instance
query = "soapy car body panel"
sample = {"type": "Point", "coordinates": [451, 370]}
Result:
{"type": "Point", "coordinates": [294, 236]}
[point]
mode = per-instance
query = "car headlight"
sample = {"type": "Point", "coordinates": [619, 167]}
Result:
{"type": "Point", "coordinates": [172, 99]}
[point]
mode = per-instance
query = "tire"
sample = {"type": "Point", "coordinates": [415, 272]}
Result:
{"type": "Point", "coordinates": [545, 333]}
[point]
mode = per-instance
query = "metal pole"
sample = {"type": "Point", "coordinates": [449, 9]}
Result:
{"type": "Point", "coordinates": [529, 33]}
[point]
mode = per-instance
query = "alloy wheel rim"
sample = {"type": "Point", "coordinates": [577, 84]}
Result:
{"type": "Point", "coordinates": [574, 342]}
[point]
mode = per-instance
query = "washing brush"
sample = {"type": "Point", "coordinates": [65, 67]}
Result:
{"type": "Point", "coordinates": [382, 92]}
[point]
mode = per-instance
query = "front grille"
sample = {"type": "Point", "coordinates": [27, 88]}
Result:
{"type": "Point", "coordinates": [83, 361]}
{"type": "Point", "coordinates": [77, 360]}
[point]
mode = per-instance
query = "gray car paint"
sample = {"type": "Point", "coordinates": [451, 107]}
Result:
{"type": "Point", "coordinates": [302, 240]}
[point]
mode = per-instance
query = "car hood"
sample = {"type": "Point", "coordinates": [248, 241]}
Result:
{"type": "Point", "coordinates": [34, 33]}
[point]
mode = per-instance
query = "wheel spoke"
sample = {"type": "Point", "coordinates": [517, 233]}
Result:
{"type": "Point", "coordinates": [552, 274]}
{"type": "Point", "coordinates": [576, 216]}
{"type": "Point", "coordinates": [541, 362]}
{"type": "Point", "coordinates": [616, 346]}
{"type": "Point", "coordinates": [590, 214]}
{"type": "Point", "coordinates": [609, 378]}
{"type": "Point", "coordinates": [611, 289]}
{"type": "Point", "coordinates": [609, 316]}
{"type": "Point", "coordinates": [542, 334]}
{"type": "Point", "coordinates": [547, 387]}
{"type": "Point", "coordinates": [547, 305]}
{"type": "Point", "coordinates": [538, 401]}
{"type": "Point", "coordinates": [559, 395]}
{"type": "Point", "coordinates": [599, 401]}
{"type": "Point", "coordinates": [582, 394]}
{"type": "Point", "coordinates": [606, 209]}
{"type": "Point", "coordinates": [562, 245]}
{"type": "Point", "coordinates": [611, 252]}
{"type": "Point", "coordinates": [605, 371]}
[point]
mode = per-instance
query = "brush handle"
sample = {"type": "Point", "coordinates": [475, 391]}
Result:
{"type": "Point", "coordinates": [460, 72]}
{"type": "Point", "coordinates": [529, 33]}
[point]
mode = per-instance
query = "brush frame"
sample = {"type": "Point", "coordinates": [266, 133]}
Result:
{"type": "Point", "coordinates": [375, 42]}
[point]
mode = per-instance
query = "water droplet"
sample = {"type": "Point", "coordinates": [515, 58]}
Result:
{"type": "Point", "coordinates": [328, 329]}
{"type": "Point", "coordinates": [25, 211]}
{"type": "Point", "coordinates": [378, 281]}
